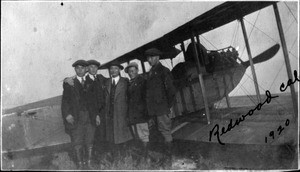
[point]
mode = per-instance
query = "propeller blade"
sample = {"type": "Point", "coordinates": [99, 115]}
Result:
{"type": "Point", "coordinates": [264, 56]}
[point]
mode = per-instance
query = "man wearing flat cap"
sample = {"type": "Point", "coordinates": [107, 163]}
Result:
{"type": "Point", "coordinates": [137, 111]}
{"type": "Point", "coordinates": [117, 130]}
{"type": "Point", "coordinates": [98, 81]}
{"type": "Point", "coordinates": [79, 113]}
{"type": "Point", "coordinates": [93, 67]}
{"type": "Point", "coordinates": [160, 95]}
{"type": "Point", "coordinates": [97, 97]}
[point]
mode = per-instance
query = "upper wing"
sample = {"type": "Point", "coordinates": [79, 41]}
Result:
{"type": "Point", "coordinates": [169, 53]}
{"type": "Point", "coordinates": [212, 19]}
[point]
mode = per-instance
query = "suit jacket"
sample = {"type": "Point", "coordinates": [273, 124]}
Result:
{"type": "Point", "coordinates": [160, 94]}
{"type": "Point", "coordinates": [97, 94]}
{"type": "Point", "coordinates": [99, 82]}
{"type": "Point", "coordinates": [71, 103]}
{"type": "Point", "coordinates": [137, 111]}
{"type": "Point", "coordinates": [120, 129]}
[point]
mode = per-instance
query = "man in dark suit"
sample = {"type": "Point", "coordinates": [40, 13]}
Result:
{"type": "Point", "coordinates": [79, 112]}
{"type": "Point", "coordinates": [98, 81]}
{"type": "Point", "coordinates": [137, 110]}
{"type": "Point", "coordinates": [160, 95]}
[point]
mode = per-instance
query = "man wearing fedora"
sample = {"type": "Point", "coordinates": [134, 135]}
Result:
{"type": "Point", "coordinates": [137, 110]}
{"type": "Point", "coordinates": [160, 96]}
{"type": "Point", "coordinates": [117, 129]}
{"type": "Point", "coordinates": [79, 113]}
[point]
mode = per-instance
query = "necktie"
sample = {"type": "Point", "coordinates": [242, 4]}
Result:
{"type": "Point", "coordinates": [95, 77]}
{"type": "Point", "coordinates": [82, 81]}
{"type": "Point", "coordinates": [114, 83]}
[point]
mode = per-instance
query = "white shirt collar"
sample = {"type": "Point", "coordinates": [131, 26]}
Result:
{"type": "Point", "coordinates": [80, 78]}
{"type": "Point", "coordinates": [92, 76]}
{"type": "Point", "coordinates": [116, 79]}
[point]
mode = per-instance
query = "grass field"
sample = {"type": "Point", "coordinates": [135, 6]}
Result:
{"type": "Point", "coordinates": [131, 159]}
{"type": "Point", "coordinates": [187, 155]}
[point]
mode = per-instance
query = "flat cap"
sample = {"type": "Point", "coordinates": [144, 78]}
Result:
{"type": "Point", "coordinates": [132, 64]}
{"type": "Point", "coordinates": [153, 52]}
{"type": "Point", "coordinates": [93, 62]}
{"type": "Point", "coordinates": [80, 62]}
{"type": "Point", "coordinates": [116, 64]}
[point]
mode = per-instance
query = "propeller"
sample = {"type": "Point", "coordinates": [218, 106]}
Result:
{"type": "Point", "coordinates": [264, 56]}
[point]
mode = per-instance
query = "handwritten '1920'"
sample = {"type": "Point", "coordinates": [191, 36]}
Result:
{"type": "Point", "coordinates": [230, 126]}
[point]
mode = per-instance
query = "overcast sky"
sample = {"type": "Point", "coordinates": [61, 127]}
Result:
{"type": "Point", "coordinates": [40, 41]}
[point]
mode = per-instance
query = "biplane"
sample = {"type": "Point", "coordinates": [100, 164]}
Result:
{"type": "Point", "coordinates": [204, 78]}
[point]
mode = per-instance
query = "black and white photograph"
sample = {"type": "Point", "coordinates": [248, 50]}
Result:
{"type": "Point", "coordinates": [149, 85]}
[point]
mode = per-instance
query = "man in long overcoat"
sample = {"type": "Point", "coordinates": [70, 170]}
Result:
{"type": "Point", "coordinates": [117, 129]}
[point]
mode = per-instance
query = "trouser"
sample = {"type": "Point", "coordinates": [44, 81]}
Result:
{"type": "Point", "coordinates": [141, 131]}
{"type": "Point", "coordinates": [83, 135]}
{"type": "Point", "coordinates": [164, 125]}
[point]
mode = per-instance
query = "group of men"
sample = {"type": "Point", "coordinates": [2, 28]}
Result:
{"type": "Point", "coordinates": [116, 109]}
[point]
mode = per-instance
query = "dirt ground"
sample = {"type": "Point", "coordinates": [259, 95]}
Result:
{"type": "Point", "coordinates": [187, 155]}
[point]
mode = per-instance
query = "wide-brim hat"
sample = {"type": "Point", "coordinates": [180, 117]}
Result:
{"type": "Point", "coordinates": [80, 62]}
{"type": "Point", "coordinates": [93, 62]}
{"type": "Point", "coordinates": [153, 52]}
{"type": "Point", "coordinates": [132, 64]}
{"type": "Point", "coordinates": [116, 64]}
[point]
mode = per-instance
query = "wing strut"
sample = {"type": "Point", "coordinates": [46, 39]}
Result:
{"type": "Point", "coordinates": [200, 78]}
{"type": "Point", "coordinates": [287, 60]}
{"type": "Point", "coordinates": [251, 61]}
{"type": "Point", "coordinates": [181, 91]}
